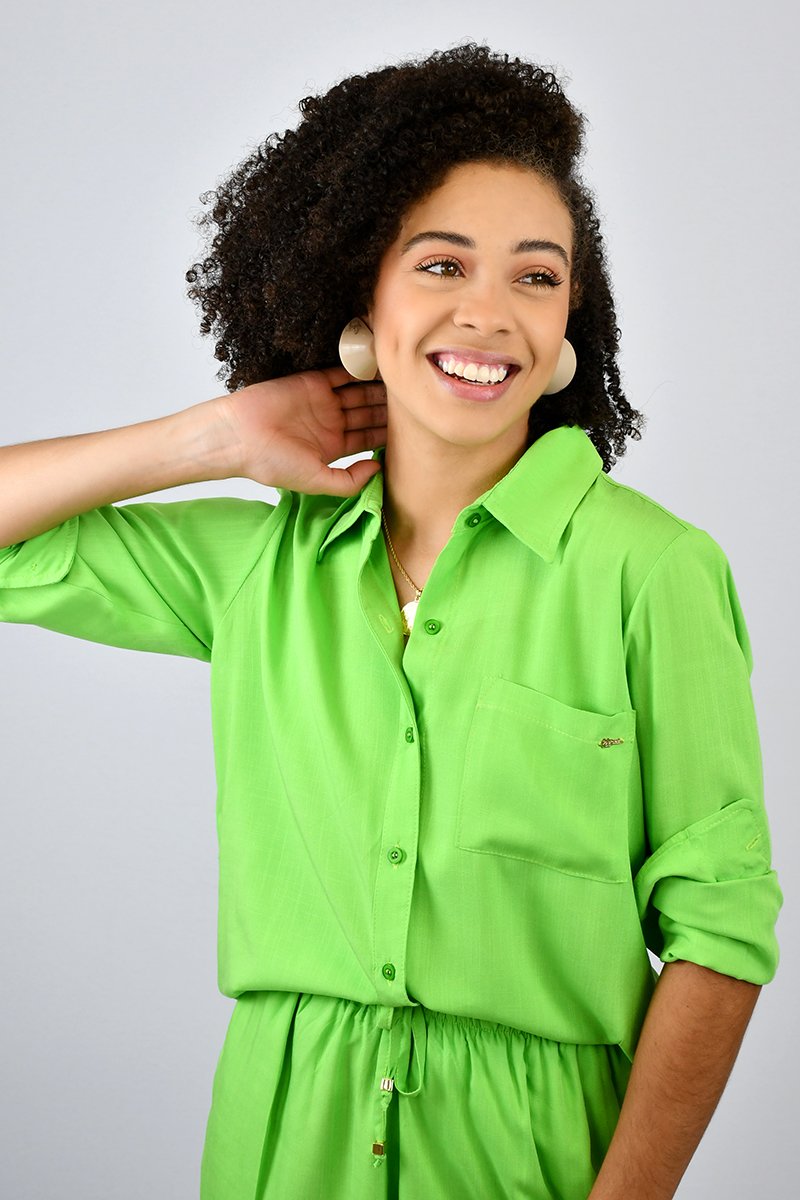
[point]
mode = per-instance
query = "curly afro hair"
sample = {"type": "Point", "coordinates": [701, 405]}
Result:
{"type": "Point", "coordinates": [299, 228]}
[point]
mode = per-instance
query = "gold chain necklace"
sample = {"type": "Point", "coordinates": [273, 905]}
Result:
{"type": "Point", "coordinates": [408, 611]}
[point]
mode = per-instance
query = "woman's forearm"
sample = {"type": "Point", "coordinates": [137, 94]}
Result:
{"type": "Point", "coordinates": [688, 1045]}
{"type": "Point", "coordinates": [43, 483]}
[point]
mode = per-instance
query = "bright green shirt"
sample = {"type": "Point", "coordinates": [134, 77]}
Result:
{"type": "Point", "coordinates": [560, 769]}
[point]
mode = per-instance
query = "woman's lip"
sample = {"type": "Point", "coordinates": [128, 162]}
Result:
{"type": "Point", "coordinates": [474, 391]}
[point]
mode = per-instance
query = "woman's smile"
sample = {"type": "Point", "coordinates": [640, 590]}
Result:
{"type": "Point", "coordinates": [469, 390]}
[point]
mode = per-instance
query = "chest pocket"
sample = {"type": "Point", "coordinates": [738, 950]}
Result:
{"type": "Point", "coordinates": [546, 782]}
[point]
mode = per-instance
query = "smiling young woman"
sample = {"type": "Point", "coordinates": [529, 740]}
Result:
{"type": "Point", "coordinates": [482, 718]}
{"type": "Point", "coordinates": [504, 300]}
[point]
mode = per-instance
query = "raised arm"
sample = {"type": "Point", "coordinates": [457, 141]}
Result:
{"type": "Point", "coordinates": [43, 483]}
{"type": "Point", "coordinates": [282, 433]}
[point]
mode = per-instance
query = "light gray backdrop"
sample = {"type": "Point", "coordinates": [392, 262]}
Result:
{"type": "Point", "coordinates": [117, 117]}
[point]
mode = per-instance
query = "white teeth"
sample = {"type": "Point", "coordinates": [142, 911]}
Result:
{"type": "Point", "coordinates": [472, 372]}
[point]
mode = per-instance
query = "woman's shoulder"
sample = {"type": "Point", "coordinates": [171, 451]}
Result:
{"type": "Point", "coordinates": [639, 518]}
{"type": "Point", "coordinates": [638, 509]}
{"type": "Point", "coordinates": [632, 530]}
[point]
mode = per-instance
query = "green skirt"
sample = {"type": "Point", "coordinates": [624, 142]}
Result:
{"type": "Point", "coordinates": [320, 1097]}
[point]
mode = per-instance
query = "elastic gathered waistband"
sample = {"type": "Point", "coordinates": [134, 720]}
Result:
{"type": "Point", "coordinates": [300, 1068]}
{"type": "Point", "coordinates": [468, 1023]}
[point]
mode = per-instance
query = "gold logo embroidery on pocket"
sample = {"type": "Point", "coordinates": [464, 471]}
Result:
{"type": "Point", "coordinates": [611, 742]}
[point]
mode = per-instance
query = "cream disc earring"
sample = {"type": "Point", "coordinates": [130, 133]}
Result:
{"type": "Point", "coordinates": [357, 350]}
{"type": "Point", "coordinates": [565, 370]}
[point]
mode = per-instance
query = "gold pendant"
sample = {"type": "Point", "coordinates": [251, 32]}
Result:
{"type": "Point", "coordinates": [409, 611]}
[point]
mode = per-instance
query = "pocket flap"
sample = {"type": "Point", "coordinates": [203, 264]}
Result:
{"type": "Point", "coordinates": [546, 782]}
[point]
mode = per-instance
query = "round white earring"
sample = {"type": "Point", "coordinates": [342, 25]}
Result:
{"type": "Point", "coordinates": [357, 350]}
{"type": "Point", "coordinates": [565, 370]}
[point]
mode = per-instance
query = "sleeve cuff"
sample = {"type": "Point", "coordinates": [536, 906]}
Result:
{"type": "Point", "coordinates": [43, 559]}
{"type": "Point", "coordinates": [707, 895]}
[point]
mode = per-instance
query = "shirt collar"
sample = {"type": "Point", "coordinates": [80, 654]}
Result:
{"type": "Point", "coordinates": [535, 499]}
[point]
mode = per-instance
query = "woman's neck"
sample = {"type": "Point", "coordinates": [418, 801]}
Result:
{"type": "Point", "coordinates": [428, 482]}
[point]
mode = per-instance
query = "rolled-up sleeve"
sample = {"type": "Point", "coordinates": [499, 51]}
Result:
{"type": "Point", "coordinates": [153, 576]}
{"type": "Point", "coordinates": [706, 891]}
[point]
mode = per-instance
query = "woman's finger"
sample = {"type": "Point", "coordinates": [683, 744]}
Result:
{"type": "Point", "coordinates": [364, 396]}
{"type": "Point", "coordinates": [339, 375]}
{"type": "Point", "coordinates": [357, 440]}
{"type": "Point", "coordinates": [364, 416]}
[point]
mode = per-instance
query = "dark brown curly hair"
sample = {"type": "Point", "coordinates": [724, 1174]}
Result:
{"type": "Point", "coordinates": [299, 228]}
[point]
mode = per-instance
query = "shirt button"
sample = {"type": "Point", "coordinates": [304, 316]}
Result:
{"type": "Point", "coordinates": [388, 971]}
{"type": "Point", "coordinates": [396, 854]}
{"type": "Point", "coordinates": [410, 734]}
{"type": "Point", "coordinates": [433, 626]}
{"type": "Point", "coordinates": [475, 519]}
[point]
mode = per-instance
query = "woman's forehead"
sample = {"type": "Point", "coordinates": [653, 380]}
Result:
{"type": "Point", "coordinates": [474, 199]}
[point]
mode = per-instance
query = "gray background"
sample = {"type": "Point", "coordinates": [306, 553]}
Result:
{"type": "Point", "coordinates": [117, 118]}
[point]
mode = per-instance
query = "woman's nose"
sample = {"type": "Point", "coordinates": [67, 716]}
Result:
{"type": "Point", "coordinates": [485, 306]}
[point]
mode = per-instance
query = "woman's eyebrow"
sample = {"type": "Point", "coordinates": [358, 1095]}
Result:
{"type": "Point", "coordinates": [458, 239]}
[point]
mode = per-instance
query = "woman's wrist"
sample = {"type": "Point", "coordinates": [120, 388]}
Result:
{"type": "Point", "coordinates": [205, 442]}
{"type": "Point", "coordinates": [45, 482]}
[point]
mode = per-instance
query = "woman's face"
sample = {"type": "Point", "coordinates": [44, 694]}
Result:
{"type": "Point", "coordinates": [468, 286]}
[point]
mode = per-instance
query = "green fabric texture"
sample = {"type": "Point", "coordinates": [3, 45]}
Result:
{"type": "Point", "coordinates": [560, 770]}
{"type": "Point", "coordinates": [484, 1111]}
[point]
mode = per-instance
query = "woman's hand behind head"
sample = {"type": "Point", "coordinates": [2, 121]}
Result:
{"type": "Point", "coordinates": [287, 431]}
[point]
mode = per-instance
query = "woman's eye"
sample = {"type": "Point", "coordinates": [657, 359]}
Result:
{"type": "Point", "coordinates": [542, 278]}
{"type": "Point", "coordinates": [438, 262]}
{"type": "Point", "coordinates": [545, 278]}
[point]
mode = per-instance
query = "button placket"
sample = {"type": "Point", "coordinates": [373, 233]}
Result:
{"type": "Point", "coordinates": [394, 877]}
